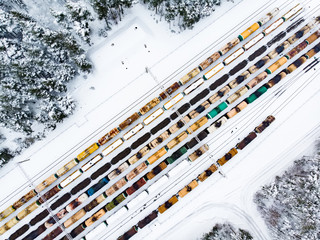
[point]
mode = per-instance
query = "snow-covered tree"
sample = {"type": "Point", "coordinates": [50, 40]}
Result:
{"type": "Point", "coordinates": [5, 156]}
{"type": "Point", "coordinates": [108, 10]}
{"type": "Point", "coordinates": [290, 204]}
{"type": "Point", "coordinates": [183, 13]}
{"type": "Point", "coordinates": [54, 112]}
{"type": "Point", "coordinates": [226, 231]}
{"type": "Point", "coordinates": [36, 65]}
{"type": "Point", "coordinates": [76, 18]}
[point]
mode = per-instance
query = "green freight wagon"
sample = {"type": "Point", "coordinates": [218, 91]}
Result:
{"type": "Point", "coordinates": [254, 96]}
{"type": "Point", "coordinates": [176, 155]}
{"type": "Point", "coordinates": [214, 112]}
{"type": "Point", "coordinates": [115, 202]}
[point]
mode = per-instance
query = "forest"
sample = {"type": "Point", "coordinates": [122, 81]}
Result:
{"type": "Point", "coordinates": [290, 203]}
{"type": "Point", "coordinates": [226, 231]}
{"type": "Point", "coordinates": [43, 47]}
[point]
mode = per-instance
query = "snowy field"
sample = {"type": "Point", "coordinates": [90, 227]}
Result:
{"type": "Point", "coordinates": [120, 85]}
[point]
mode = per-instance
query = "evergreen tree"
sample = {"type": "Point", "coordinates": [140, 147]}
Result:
{"type": "Point", "coordinates": [5, 156]}
{"type": "Point", "coordinates": [226, 231]}
{"type": "Point", "coordinates": [102, 8]}
{"type": "Point", "coordinates": [36, 65]}
{"type": "Point", "coordinates": [76, 18]}
{"type": "Point", "coordinates": [290, 204]}
{"type": "Point", "coordinates": [186, 13]}
{"type": "Point", "coordinates": [110, 10]}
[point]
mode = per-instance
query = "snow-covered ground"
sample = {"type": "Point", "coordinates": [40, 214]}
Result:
{"type": "Point", "coordinates": [121, 86]}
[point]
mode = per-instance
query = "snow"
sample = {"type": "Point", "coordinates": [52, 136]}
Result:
{"type": "Point", "coordinates": [121, 88]}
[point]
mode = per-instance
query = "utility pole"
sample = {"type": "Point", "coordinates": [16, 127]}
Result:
{"type": "Point", "coordinates": [148, 70]}
{"type": "Point", "coordinates": [221, 172]}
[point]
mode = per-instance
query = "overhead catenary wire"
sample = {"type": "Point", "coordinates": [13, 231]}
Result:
{"type": "Point", "coordinates": [186, 173]}
{"type": "Point", "coordinates": [264, 7]}
{"type": "Point", "coordinates": [291, 84]}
